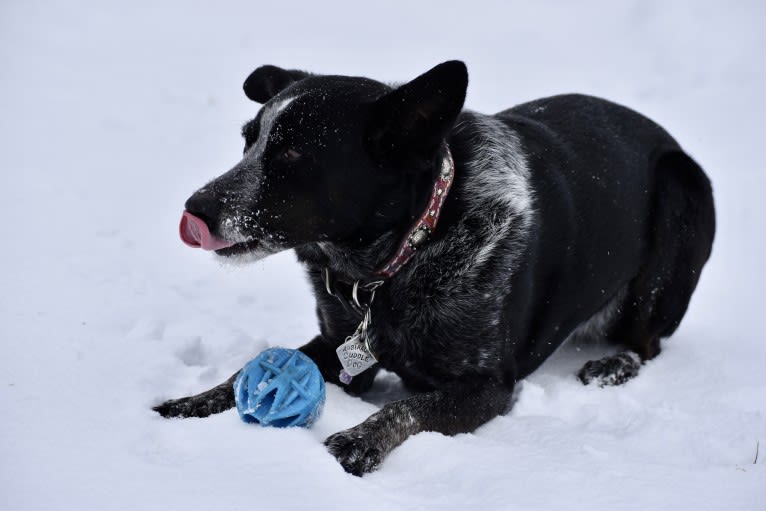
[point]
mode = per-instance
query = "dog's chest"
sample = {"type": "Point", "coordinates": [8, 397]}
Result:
{"type": "Point", "coordinates": [428, 339]}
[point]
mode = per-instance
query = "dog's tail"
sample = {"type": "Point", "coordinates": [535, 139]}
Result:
{"type": "Point", "coordinates": [684, 229]}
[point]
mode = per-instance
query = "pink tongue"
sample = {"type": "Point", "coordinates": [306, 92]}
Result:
{"type": "Point", "coordinates": [194, 232]}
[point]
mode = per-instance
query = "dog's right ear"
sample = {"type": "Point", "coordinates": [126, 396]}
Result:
{"type": "Point", "coordinates": [408, 124]}
{"type": "Point", "coordinates": [267, 81]}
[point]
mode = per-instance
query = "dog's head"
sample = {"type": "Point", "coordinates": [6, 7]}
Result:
{"type": "Point", "coordinates": [326, 158]}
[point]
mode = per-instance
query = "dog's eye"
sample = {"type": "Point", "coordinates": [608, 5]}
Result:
{"type": "Point", "coordinates": [290, 154]}
{"type": "Point", "coordinates": [250, 133]}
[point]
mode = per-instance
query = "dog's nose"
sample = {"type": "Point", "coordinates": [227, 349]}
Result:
{"type": "Point", "coordinates": [204, 204]}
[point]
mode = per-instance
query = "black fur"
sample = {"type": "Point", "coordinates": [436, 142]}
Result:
{"type": "Point", "coordinates": [569, 215]}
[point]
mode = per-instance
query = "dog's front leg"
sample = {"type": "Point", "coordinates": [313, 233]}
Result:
{"type": "Point", "coordinates": [324, 356]}
{"type": "Point", "coordinates": [216, 400]}
{"type": "Point", "coordinates": [221, 397]}
{"type": "Point", "coordinates": [458, 407]}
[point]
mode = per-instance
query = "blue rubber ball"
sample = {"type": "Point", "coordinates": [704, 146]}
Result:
{"type": "Point", "coordinates": [281, 388]}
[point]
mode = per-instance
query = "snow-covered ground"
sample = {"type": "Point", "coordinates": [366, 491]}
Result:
{"type": "Point", "coordinates": [110, 117]}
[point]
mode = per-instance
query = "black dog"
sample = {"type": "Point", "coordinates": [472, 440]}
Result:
{"type": "Point", "coordinates": [565, 216]}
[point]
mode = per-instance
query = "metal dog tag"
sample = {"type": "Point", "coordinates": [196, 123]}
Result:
{"type": "Point", "coordinates": [355, 354]}
{"type": "Point", "coordinates": [355, 357]}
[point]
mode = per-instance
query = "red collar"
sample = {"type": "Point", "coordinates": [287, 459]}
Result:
{"type": "Point", "coordinates": [416, 237]}
{"type": "Point", "coordinates": [426, 224]}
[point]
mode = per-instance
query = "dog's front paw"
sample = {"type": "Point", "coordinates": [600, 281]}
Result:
{"type": "Point", "coordinates": [186, 407]}
{"type": "Point", "coordinates": [355, 451]}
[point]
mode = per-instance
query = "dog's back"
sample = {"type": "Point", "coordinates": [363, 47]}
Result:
{"type": "Point", "coordinates": [626, 224]}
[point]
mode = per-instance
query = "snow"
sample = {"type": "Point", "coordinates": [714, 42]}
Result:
{"type": "Point", "coordinates": [113, 114]}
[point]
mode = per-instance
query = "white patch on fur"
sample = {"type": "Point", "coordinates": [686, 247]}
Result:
{"type": "Point", "coordinates": [238, 220]}
{"type": "Point", "coordinates": [501, 174]}
{"type": "Point", "coordinates": [283, 104]}
{"type": "Point", "coordinates": [487, 358]}
{"type": "Point", "coordinates": [499, 190]}
{"type": "Point", "coordinates": [595, 327]}
{"type": "Point", "coordinates": [242, 260]}
{"type": "Point", "coordinates": [270, 113]}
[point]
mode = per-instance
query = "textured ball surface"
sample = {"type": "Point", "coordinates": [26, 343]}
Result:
{"type": "Point", "coordinates": [281, 388]}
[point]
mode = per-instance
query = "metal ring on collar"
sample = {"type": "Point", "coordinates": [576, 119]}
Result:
{"type": "Point", "coordinates": [326, 278]}
{"type": "Point", "coordinates": [355, 294]}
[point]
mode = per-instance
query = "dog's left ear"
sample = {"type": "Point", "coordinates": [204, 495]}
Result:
{"type": "Point", "coordinates": [408, 124]}
{"type": "Point", "coordinates": [267, 81]}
